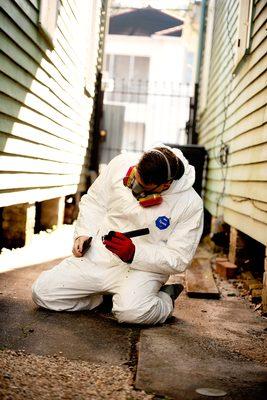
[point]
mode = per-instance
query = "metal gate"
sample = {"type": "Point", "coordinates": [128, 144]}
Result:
{"type": "Point", "coordinates": [139, 114]}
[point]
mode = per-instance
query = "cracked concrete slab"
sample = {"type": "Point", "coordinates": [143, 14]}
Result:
{"type": "Point", "coordinates": [212, 343]}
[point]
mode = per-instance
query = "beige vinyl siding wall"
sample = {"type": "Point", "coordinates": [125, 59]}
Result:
{"type": "Point", "coordinates": [44, 111]}
{"type": "Point", "coordinates": [237, 113]}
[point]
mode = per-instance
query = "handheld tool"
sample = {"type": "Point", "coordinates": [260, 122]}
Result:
{"type": "Point", "coordinates": [130, 234]}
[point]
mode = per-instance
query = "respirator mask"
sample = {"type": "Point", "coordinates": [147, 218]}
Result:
{"type": "Point", "coordinates": [145, 198]}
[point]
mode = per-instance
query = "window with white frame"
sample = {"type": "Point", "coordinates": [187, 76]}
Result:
{"type": "Point", "coordinates": [48, 18]}
{"type": "Point", "coordinates": [128, 67]}
{"type": "Point", "coordinates": [244, 30]}
{"type": "Point", "coordinates": [130, 76]}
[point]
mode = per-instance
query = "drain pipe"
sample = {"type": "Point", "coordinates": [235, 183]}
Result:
{"type": "Point", "coordinates": [192, 135]}
{"type": "Point", "coordinates": [201, 38]}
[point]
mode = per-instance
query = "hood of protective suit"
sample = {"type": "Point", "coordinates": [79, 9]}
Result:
{"type": "Point", "coordinates": [188, 178]}
{"type": "Point", "coordinates": [180, 185]}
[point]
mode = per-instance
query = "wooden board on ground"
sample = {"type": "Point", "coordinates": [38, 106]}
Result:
{"type": "Point", "coordinates": [200, 281]}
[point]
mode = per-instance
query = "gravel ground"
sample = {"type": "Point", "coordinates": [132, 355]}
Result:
{"type": "Point", "coordinates": [25, 376]}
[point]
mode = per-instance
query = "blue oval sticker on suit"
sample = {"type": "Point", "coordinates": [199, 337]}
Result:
{"type": "Point", "coordinates": [162, 222]}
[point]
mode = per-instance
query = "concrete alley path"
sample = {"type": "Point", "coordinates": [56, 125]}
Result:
{"type": "Point", "coordinates": [217, 344]}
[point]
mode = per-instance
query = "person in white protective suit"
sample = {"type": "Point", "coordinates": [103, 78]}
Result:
{"type": "Point", "coordinates": [154, 192]}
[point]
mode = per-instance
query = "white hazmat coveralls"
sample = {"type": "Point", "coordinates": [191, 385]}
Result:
{"type": "Point", "coordinates": [79, 283]}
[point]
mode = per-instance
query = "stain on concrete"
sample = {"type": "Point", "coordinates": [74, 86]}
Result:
{"type": "Point", "coordinates": [80, 335]}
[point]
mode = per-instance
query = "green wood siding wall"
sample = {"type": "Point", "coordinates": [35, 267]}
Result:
{"type": "Point", "coordinates": [44, 111]}
{"type": "Point", "coordinates": [237, 113]}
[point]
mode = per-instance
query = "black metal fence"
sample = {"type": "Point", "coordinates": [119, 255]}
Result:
{"type": "Point", "coordinates": [140, 113]}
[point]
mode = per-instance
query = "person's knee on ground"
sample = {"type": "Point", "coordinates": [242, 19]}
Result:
{"type": "Point", "coordinates": [43, 296]}
{"type": "Point", "coordinates": [51, 294]}
{"type": "Point", "coordinates": [39, 292]}
{"type": "Point", "coordinates": [146, 311]}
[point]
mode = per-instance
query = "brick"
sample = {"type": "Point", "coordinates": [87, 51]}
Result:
{"type": "Point", "coordinates": [226, 269]}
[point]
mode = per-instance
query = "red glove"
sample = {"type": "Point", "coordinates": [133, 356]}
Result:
{"type": "Point", "coordinates": [122, 246]}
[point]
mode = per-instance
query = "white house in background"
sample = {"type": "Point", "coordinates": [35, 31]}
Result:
{"type": "Point", "coordinates": [149, 79]}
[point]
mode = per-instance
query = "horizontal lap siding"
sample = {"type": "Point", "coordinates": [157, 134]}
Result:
{"type": "Point", "coordinates": [241, 197]}
{"type": "Point", "coordinates": [44, 112]}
